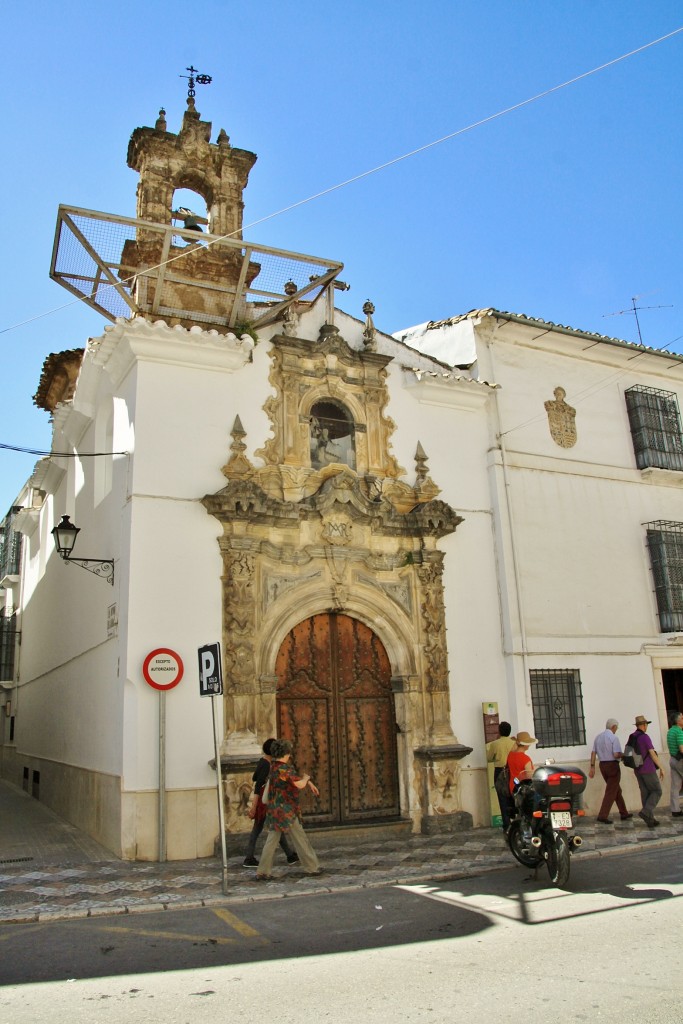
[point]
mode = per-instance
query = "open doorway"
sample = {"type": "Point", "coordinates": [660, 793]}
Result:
{"type": "Point", "coordinates": [672, 678]}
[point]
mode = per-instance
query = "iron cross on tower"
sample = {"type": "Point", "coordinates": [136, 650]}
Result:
{"type": "Point", "coordinates": [194, 78]}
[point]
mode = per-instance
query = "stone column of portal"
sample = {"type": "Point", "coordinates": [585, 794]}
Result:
{"type": "Point", "coordinates": [437, 768]}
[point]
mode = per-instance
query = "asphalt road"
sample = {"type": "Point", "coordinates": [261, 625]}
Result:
{"type": "Point", "coordinates": [608, 949]}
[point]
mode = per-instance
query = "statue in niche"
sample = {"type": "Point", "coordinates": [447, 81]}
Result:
{"type": "Point", "coordinates": [561, 420]}
{"type": "Point", "coordinates": [332, 436]}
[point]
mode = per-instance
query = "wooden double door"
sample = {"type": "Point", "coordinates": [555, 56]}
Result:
{"type": "Point", "coordinates": [335, 703]}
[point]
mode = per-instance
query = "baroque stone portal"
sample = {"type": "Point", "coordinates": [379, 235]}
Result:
{"type": "Point", "coordinates": [305, 535]}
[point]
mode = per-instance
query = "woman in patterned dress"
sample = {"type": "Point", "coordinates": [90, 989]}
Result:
{"type": "Point", "coordinates": [283, 814]}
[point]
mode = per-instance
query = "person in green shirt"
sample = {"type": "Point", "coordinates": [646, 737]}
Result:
{"type": "Point", "coordinates": [674, 741]}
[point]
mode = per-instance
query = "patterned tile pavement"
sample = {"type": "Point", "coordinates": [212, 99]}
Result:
{"type": "Point", "coordinates": [48, 869]}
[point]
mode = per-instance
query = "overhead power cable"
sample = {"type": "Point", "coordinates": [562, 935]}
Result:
{"type": "Point", "coordinates": [60, 455]}
{"type": "Point", "coordinates": [383, 166]}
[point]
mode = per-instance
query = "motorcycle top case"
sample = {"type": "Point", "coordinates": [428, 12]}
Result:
{"type": "Point", "coordinates": [550, 780]}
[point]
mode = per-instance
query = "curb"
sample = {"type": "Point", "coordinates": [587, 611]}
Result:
{"type": "Point", "coordinates": [494, 863]}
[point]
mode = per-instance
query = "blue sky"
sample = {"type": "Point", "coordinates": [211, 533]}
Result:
{"type": "Point", "coordinates": [564, 209]}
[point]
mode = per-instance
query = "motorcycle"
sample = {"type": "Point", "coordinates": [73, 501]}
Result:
{"type": "Point", "coordinates": [542, 828]}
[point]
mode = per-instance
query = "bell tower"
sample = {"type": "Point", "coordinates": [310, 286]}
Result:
{"type": "Point", "coordinates": [187, 267]}
{"type": "Point", "coordinates": [200, 281]}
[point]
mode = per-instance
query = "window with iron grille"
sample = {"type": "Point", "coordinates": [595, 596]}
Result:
{"type": "Point", "coordinates": [557, 704]}
{"type": "Point", "coordinates": [665, 544]}
{"type": "Point", "coordinates": [8, 637]}
{"type": "Point", "coordinates": [655, 423]}
{"type": "Point", "coordinates": [10, 545]}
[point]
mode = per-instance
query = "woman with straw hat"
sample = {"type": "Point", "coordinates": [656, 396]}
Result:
{"type": "Point", "coordinates": [520, 765]}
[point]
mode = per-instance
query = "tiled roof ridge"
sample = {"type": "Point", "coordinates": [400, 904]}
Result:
{"type": "Point", "coordinates": [550, 325]}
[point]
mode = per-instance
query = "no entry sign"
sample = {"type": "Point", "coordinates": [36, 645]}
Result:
{"type": "Point", "coordinates": [163, 669]}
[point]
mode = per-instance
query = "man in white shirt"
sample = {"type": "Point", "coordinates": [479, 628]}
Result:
{"type": "Point", "coordinates": [607, 750]}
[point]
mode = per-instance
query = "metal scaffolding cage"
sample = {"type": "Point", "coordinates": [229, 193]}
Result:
{"type": "Point", "coordinates": [89, 260]}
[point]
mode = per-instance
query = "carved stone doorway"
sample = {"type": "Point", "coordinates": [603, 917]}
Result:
{"type": "Point", "coordinates": [335, 703]}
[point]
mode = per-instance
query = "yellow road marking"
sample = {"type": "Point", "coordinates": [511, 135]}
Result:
{"type": "Point", "coordinates": [239, 926]}
{"type": "Point", "coordinates": [25, 930]}
{"type": "Point", "coordinates": [221, 940]}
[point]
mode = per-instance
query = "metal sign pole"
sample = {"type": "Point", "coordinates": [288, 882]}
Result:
{"type": "Point", "coordinates": [219, 784]}
{"type": "Point", "coordinates": [162, 776]}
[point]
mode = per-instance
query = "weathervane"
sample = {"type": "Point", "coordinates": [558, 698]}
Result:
{"type": "Point", "coordinates": [195, 78]}
{"type": "Point", "coordinates": [634, 310]}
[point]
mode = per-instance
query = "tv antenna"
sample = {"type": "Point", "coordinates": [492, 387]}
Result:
{"type": "Point", "coordinates": [194, 78]}
{"type": "Point", "coordinates": [634, 310]}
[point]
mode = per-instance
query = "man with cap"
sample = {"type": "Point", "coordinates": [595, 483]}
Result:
{"type": "Point", "coordinates": [649, 784]}
{"type": "Point", "coordinates": [607, 750]}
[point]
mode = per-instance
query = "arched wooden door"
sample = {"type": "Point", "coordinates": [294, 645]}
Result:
{"type": "Point", "coordinates": [335, 703]}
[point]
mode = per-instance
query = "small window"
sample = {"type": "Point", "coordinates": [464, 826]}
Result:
{"type": "Point", "coordinates": [655, 423]}
{"type": "Point", "coordinates": [557, 704]}
{"type": "Point", "coordinates": [665, 544]}
{"type": "Point", "coordinates": [332, 435]}
{"type": "Point", "coordinates": [8, 643]}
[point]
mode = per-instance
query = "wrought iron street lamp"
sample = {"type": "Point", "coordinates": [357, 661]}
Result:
{"type": "Point", "coordinates": [65, 534]}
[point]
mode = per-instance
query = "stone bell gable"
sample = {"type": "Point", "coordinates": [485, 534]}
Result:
{"type": "Point", "coordinates": [218, 172]}
{"type": "Point", "coordinates": [196, 283]}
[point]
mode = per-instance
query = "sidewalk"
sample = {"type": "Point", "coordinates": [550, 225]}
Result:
{"type": "Point", "coordinates": [49, 870]}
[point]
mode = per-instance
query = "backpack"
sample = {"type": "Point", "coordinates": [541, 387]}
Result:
{"type": "Point", "coordinates": [631, 758]}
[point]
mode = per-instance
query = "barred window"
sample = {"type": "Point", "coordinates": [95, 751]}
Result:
{"type": "Point", "coordinates": [655, 423]}
{"type": "Point", "coordinates": [10, 544]}
{"type": "Point", "coordinates": [665, 544]}
{"type": "Point", "coordinates": [8, 638]}
{"type": "Point", "coordinates": [557, 704]}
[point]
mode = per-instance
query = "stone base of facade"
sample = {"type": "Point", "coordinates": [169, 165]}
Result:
{"type": "Point", "coordinates": [435, 824]}
{"type": "Point", "coordinates": [89, 800]}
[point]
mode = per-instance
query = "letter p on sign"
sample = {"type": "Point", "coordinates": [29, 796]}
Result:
{"type": "Point", "coordinates": [210, 676]}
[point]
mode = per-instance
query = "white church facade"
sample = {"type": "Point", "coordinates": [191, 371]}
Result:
{"type": "Point", "coordinates": [383, 532]}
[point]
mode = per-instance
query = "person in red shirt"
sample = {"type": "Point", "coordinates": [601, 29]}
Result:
{"type": "Point", "coordinates": [520, 765]}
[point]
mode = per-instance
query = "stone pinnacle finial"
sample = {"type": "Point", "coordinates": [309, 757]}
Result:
{"type": "Point", "coordinates": [420, 465]}
{"type": "Point", "coordinates": [238, 465]}
{"type": "Point", "coordinates": [369, 330]}
{"type": "Point", "coordinates": [223, 139]}
{"type": "Point", "coordinates": [160, 124]}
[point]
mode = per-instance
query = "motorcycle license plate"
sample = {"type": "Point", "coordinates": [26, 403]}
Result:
{"type": "Point", "coordinates": [561, 819]}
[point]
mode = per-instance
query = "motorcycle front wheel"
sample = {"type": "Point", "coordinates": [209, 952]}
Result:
{"type": "Point", "coordinates": [526, 855]}
{"type": "Point", "coordinates": [558, 859]}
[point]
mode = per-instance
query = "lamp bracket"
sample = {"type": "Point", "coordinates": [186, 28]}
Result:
{"type": "Point", "coordinates": [102, 567]}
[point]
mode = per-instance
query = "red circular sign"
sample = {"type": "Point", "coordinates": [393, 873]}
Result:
{"type": "Point", "coordinates": [163, 669]}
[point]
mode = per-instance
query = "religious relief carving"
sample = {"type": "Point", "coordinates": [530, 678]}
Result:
{"type": "Point", "coordinates": [336, 530]}
{"type": "Point", "coordinates": [275, 586]}
{"type": "Point", "coordinates": [433, 623]}
{"type": "Point", "coordinates": [561, 420]}
{"type": "Point", "coordinates": [239, 621]}
{"type": "Point", "coordinates": [444, 787]}
{"type": "Point", "coordinates": [400, 591]}
{"type": "Point", "coordinates": [338, 569]}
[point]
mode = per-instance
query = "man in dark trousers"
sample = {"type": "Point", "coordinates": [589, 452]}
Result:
{"type": "Point", "coordinates": [650, 773]}
{"type": "Point", "coordinates": [607, 751]}
{"type": "Point", "coordinates": [497, 751]}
